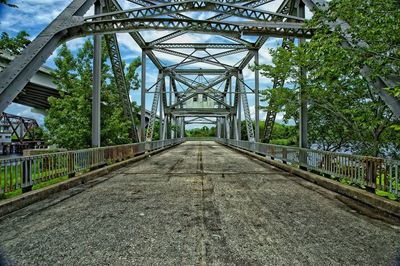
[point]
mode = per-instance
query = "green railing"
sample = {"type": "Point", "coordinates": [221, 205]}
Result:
{"type": "Point", "coordinates": [24, 172]}
{"type": "Point", "coordinates": [373, 173]}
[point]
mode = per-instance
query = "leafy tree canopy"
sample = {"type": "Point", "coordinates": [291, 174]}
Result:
{"type": "Point", "coordinates": [345, 112]}
{"type": "Point", "coordinates": [7, 3]}
{"type": "Point", "coordinates": [14, 45]}
{"type": "Point", "coordinates": [69, 117]}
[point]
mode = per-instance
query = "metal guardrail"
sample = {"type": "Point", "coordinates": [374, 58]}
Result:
{"type": "Point", "coordinates": [24, 172]}
{"type": "Point", "coordinates": [366, 172]}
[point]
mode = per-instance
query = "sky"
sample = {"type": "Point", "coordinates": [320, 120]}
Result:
{"type": "Point", "coordinates": [34, 15]}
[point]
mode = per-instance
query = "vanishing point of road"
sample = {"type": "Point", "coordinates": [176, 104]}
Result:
{"type": "Point", "coordinates": [197, 204]}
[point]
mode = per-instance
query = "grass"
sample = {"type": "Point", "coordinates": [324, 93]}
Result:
{"type": "Point", "coordinates": [18, 192]}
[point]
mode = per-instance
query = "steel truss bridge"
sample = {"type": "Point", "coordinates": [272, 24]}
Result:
{"type": "Point", "coordinates": [176, 84]}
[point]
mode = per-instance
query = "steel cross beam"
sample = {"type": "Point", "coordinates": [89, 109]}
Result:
{"type": "Point", "coordinates": [195, 59]}
{"type": "Point", "coordinates": [246, 109]}
{"type": "Point", "coordinates": [119, 74]}
{"type": "Point", "coordinates": [215, 18]}
{"type": "Point", "coordinates": [285, 8]}
{"type": "Point", "coordinates": [204, 90]}
{"type": "Point", "coordinates": [200, 120]}
{"type": "Point", "coordinates": [198, 46]}
{"type": "Point", "coordinates": [271, 109]}
{"type": "Point", "coordinates": [200, 86]}
{"type": "Point", "coordinates": [202, 71]}
{"type": "Point", "coordinates": [194, 5]}
{"type": "Point", "coordinates": [201, 112]}
{"type": "Point", "coordinates": [153, 113]}
{"type": "Point", "coordinates": [206, 59]}
{"type": "Point", "coordinates": [114, 6]}
{"type": "Point", "coordinates": [272, 29]}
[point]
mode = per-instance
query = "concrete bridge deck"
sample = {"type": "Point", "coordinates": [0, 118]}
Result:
{"type": "Point", "coordinates": [197, 204]}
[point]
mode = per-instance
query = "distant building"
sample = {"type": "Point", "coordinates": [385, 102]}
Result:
{"type": "Point", "coordinates": [199, 101]}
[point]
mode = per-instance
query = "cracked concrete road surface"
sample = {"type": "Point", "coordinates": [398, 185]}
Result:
{"type": "Point", "coordinates": [197, 204]}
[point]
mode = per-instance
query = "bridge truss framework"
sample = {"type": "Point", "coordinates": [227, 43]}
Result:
{"type": "Point", "coordinates": [178, 83]}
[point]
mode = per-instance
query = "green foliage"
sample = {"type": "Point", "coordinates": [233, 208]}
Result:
{"type": "Point", "coordinates": [69, 117]}
{"type": "Point", "coordinates": [281, 134]}
{"type": "Point", "coordinates": [6, 2]}
{"type": "Point", "coordinates": [14, 45]}
{"type": "Point", "coordinates": [345, 113]}
{"type": "Point", "coordinates": [201, 132]}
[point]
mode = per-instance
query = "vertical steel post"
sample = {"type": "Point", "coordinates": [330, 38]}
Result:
{"type": "Point", "coordinates": [162, 121]}
{"type": "Point", "coordinates": [235, 127]}
{"type": "Point", "coordinates": [228, 128]}
{"type": "Point", "coordinates": [303, 143]}
{"type": "Point", "coordinates": [170, 103]}
{"type": "Point", "coordinates": [218, 128]}
{"type": "Point", "coordinates": [257, 97]}
{"type": "Point", "coordinates": [182, 127]}
{"type": "Point", "coordinates": [143, 99]}
{"type": "Point", "coordinates": [96, 83]}
{"type": "Point", "coordinates": [230, 104]}
{"type": "Point", "coordinates": [239, 113]}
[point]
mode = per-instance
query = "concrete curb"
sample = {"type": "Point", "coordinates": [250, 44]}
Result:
{"type": "Point", "coordinates": [370, 199]}
{"type": "Point", "coordinates": [19, 202]}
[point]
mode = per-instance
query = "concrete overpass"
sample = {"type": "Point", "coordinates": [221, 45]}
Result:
{"type": "Point", "coordinates": [39, 88]}
{"type": "Point", "coordinates": [198, 204]}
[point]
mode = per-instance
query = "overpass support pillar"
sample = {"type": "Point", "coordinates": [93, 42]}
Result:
{"type": "Point", "coordinates": [96, 83]}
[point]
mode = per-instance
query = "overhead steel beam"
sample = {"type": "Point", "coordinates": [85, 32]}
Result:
{"type": "Point", "coordinates": [200, 89]}
{"type": "Point", "coordinates": [194, 5]}
{"type": "Point", "coordinates": [201, 71]}
{"type": "Point", "coordinates": [272, 29]}
{"type": "Point", "coordinates": [195, 59]}
{"type": "Point", "coordinates": [200, 112]}
{"type": "Point", "coordinates": [136, 36]}
{"type": "Point", "coordinates": [199, 46]}
{"type": "Point", "coordinates": [215, 18]}
{"type": "Point", "coordinates": [286, 7]}
{"type": "Point", "coordinates": [207, 59]}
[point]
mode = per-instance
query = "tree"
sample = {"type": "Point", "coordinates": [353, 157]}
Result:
{"type": "Point", "coordinates": [6, 2]}
{"type": "Point", "coordinates": [69, 117]}
{"type": "Point", "coordinates": [16, 45]}
{"type": "Point", "coordinates": [345, 113]}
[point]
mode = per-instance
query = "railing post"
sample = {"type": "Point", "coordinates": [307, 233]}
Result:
{"type": "Point", "coordinates": [303, 159]}
{"type": "Point", "coordinates": [26, 176]}
{"type": "Point", "coordinates": [71, 165]}
{"type": "Point", "coordinates": [284, 155]}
